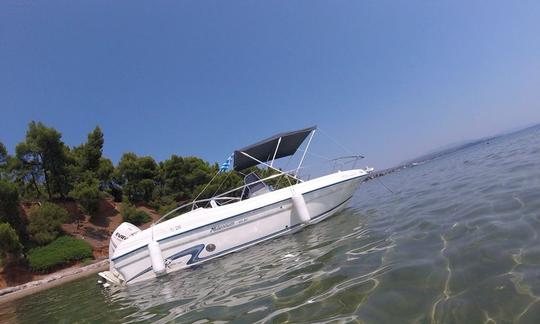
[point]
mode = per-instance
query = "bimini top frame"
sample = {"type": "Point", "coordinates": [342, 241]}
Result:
{"type": "Point", "coordinates": [272, 148]}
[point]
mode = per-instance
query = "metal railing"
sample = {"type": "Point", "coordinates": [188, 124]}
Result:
{"type": "Point", "coordinates": [224, 199]}
{"type": "Point", "coordinates": [221, 197]}
{"type": "Point", "coordinates": [352, 159]}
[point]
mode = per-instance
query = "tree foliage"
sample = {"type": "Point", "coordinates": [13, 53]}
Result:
{"type": "Point", "coordinates": [137, 176]}
{"type": "Point", "coordinates": [45, 158]}
{"type": "Point", "coordinates": [91, 151]}
{"type": "Point", "coordinates": [182, 176]}
{"type": "Point", "coordinates": [7, 164]}
{"type": "Point", "coordinates": [93, 173]}
{"type": "Point", "coordinates": [3, 156]}
{"type": "Point", "coordinates": [45, 221]}
{"type": "Point", "coordinates": [133, 215]}
{"type": "Point", "coordinates": [104, 173]}
{"type": "Point", "coordinates": [87, 195]}
{"type": "Point", "coordinates": [9, 206]}
{"type": "Point", "coordinates": [9, 241]}
{"type": "Point", "coordinates": [44, 164]}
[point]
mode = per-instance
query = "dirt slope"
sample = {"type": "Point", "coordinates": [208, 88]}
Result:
{"type": "Point", "coordinates": [95, 230]}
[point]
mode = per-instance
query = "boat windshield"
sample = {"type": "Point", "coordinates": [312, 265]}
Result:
{"type": "Point", "coordinates": [254, 186]}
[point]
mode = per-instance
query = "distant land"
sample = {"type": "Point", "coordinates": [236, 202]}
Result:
{"type": "Point", "coordinates": [449, 149]}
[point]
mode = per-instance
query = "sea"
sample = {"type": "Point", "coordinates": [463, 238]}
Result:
{"type": "Point", "coordinates": [451, 240]}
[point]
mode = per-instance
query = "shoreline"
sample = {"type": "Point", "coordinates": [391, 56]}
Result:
{"type": "Point", "coordinates": [55, 279]}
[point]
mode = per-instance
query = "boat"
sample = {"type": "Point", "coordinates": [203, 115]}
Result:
{"type": "Point", "coordinates": [205, 229]}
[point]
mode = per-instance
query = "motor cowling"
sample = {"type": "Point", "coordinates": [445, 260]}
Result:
{"type": "Point", "coordinates": [120, 234]}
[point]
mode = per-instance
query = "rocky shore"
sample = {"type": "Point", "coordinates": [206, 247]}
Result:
{"type": "Point", "coordinates": [55, 279]}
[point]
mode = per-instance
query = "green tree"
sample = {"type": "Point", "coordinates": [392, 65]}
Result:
{"type": "Point", "coordinates": [182, 176]}
{"type": "Point", "coordinates": [44, 157]}
{"type": "Point", "coordinates": [3, 160]}
{"type": "Point", "coordinates": [3, 155]}
{"type": "Point", "coordinates": [88, 155]}
{"type": "Point", "coordinates": [132, 215]}
{"type": "Point", "coordinates": [9, 242]}
{"type": "Point", "coordinates": [45, 221]}
{"type": "Point", "coordinates": [9, 207]}
{"type": "Point", "coordinates": [137, 176]}
{"type": "Point", "coordinates": [93, 173]}
{"type": "Point", "coordinates": [28, 169]}
{"type": "Point", "coordinates": [105, 173]}
{"type": "Point", "coordinates": [197, 172]}
{"type": "Point", "coordinates": [171, 176]}
{"type": "Point", "coordinates": [87, 194]}
{"type": "Point", "coordinates": [94, 149]}
{"type": "Point", "coordinates": [7, 163]}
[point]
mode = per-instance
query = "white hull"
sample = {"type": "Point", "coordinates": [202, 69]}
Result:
{"type": "Point", "coordinates": [207, 233]}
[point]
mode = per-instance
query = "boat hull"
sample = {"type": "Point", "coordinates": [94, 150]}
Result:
{"type": "Point", "coordinates": [232, 227]}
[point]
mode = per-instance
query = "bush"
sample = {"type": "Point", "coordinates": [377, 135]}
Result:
{"type": "Point", "coordinates": [87, 195]}
{"type": "Point", "coordinates": [9, 241]}
{"type": "Point", "coordinates": [63, 250]}
{"type": "Point", "coordinates": [133, 215]}
{"type": "Point", "coordinates": [44, 222]}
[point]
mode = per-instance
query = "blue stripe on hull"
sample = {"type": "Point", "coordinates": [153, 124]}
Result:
{"type": "Point", "coordinates": [194, 251]}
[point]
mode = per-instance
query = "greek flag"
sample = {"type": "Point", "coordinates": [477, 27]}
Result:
{"type": "Point", "coordinates": [226, 165]}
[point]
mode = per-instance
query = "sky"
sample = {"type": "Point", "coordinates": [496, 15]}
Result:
{"type": "Point", "coordinates": [387, 79]}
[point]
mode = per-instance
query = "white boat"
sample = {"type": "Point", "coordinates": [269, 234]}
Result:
{"type": "Point", "coordinates": [231, 222]}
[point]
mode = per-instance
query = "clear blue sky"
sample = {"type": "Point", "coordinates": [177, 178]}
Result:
{"type": "Point", "coordinates": [389, 79]}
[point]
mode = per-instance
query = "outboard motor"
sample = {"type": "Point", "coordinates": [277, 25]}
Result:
{"type": "Point", "coordinates": [121, 233]}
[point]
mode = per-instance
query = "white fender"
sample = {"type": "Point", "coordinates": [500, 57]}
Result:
{"type": "Point", "coordinates": [158, 265]}
{"type": "Point", "coordinates": [299, 205]}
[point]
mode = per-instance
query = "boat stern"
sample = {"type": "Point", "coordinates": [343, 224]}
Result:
{"type": "Point", "coordinates": [110, 278]}
{"type": "Point", "coordinates": [123, 232]}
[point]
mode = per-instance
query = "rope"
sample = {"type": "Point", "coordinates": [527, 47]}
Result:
{"type": "Point", "coordinates": [335, 141]}
{"type": "Point", "coordinates": [380, 181]}
{"type": "Point", "coordinates": [317, 155]}
{"type": "Point", "coordinates": [221, 184]}
{"type": "Point", "coordinates": [200, 193]}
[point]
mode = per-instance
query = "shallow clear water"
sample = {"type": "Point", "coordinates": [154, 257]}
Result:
{"type": "Point", "coordinates": [458, 242]}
